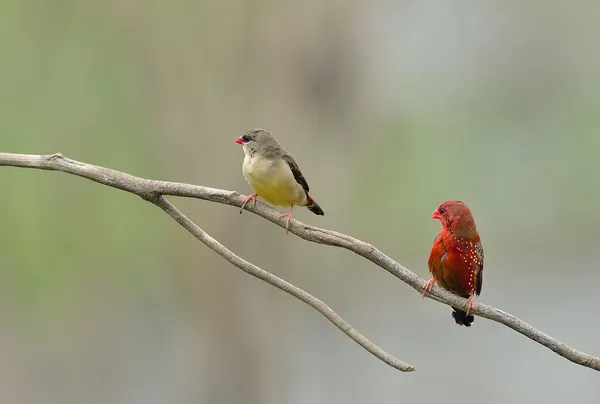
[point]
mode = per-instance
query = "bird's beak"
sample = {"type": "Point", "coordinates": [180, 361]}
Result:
{"type": "Point", "coordinates": [239, 140]}
{"type": "Point", "coordinates": [436, 215]}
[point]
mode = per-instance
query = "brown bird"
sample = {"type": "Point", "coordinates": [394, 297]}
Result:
{"type": "Point", "coordinates": [456, 258]}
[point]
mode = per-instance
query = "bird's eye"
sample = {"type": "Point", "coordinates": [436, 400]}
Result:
{"type": "Point", "coordinates": [441, 211]}
{"type": "Point", "coordinates": [246, 138]}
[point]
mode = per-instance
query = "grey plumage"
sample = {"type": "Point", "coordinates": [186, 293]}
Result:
{"type": "Point", "coordinates": [263, 168]}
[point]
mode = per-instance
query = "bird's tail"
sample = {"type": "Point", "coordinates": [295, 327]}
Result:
{"type": "Point", "coordinates": [461, 318]}
{"type": "Point", "coordinates": [313, 206]}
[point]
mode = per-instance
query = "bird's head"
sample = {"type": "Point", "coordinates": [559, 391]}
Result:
{"type": "Point", "coordinates": [256, 139]}
{"type": "Point", "coordinates": [456, 217]}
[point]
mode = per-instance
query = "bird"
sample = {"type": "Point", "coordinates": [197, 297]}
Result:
{"type": "Point", "coordinates": [273, 174]}
{"type": "Point", "coordinates": [456, 258]}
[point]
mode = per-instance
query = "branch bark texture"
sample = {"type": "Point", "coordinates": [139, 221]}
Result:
{"type": "Point", "coordinates": [154, 192]}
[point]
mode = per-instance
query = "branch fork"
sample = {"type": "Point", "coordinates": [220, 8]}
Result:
{"type": "Point", "coordinates": [154, 192]}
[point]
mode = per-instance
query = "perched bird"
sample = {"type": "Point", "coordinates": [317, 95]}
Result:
{"type": "Point", "coordinates": [456, 258]}
{"type": "Point", "coordinates": [273, 174]}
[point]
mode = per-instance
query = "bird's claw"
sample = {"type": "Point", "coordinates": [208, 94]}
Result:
{"type": "Point", "coordinates": [287, 224]}
{"type": "Point", "coordinates": [428, 286]}
{"type": "Point", "coordinates": [248, 199]}
{"type": "Point", "coordinates": [289, 217]}
{"type": "Point", "coordinates": [469, 304]}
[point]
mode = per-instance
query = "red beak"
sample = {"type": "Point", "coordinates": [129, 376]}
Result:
{"type": "Point", "coordinates": [239, 140]}
{"type": "Point", "coordinates": [436, 215]}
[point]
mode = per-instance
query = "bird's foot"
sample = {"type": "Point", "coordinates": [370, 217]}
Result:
{"type": "Point", "coordinates": [287, 224]}
{"type": "Point", "coordinates": [469, 303]}
{"type": "Point", "coordinates": [428, 286]}
{"type": "Point", "coordinates": [248, 199]}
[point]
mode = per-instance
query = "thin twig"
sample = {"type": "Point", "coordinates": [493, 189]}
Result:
{"type": "Point", "coordinates": [151, 189]}
{"type": "Point", "coordinates": [145, 189]}
{"type": "Point", "coordinates": [281, 284]}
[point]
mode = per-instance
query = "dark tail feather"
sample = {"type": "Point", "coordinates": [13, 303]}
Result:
{"type": "Point", "coordinates": [461, 318]}
{"type": "Point", "coordinates": [313, 206]}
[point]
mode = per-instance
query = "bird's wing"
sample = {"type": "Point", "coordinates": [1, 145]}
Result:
{"type": "Point", "coordinates": [437, 256]}
{"type": "Point", "coordinates": [479, 276]}
{"type": "Point", "coordinates": [296, 171]}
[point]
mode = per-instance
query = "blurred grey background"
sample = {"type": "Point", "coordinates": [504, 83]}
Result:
{"type": "Point", "coordinates": [389, 107]}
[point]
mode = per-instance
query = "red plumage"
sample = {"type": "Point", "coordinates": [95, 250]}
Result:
{"type": "Point", "coordinates": [456, 258]}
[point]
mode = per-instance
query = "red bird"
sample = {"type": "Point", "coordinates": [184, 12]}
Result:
{"type": "Point", "coordinates": [456, 258]}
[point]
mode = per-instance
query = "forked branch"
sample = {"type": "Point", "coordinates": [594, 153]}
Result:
{"type": "Point", "coordinates": [149, 190]}
{"type": "Point", "coordinates": [154, 191]}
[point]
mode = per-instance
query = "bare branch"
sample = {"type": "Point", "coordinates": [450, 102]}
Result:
{"type": "Point", "coordinates": [147, 190]}
{"type": "Point", "coordinates": [151, 190]}
{"type": "Point", "coordinates": [281, 284]}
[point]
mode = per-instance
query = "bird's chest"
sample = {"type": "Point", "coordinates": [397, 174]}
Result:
{"type": "Point", "coordinates": [458, 266]}
{"type": "Point", "coordinates": [257, 170]}
{"type": "Point", "coordinates": [272, 180]}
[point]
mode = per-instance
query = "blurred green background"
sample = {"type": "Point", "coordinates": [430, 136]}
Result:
{"type": "Point", "coordinates": [389, 108]}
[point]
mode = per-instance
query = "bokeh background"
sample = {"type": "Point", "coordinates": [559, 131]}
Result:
{"type": "Point", "coordinates": [390, 107]}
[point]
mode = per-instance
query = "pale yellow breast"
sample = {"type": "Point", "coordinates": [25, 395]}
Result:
{"type": "Point", "coordinates": [272, 180]}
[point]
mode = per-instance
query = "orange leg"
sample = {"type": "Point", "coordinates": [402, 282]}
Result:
{"type": "Point", "coordinates": [469, 303]}
{"type": "Point", "coordinates": [289, 217]}
{"type": "Point", "coordinates": [428, 286]}
{"type": "Point", "coordinates": [248, 198]}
